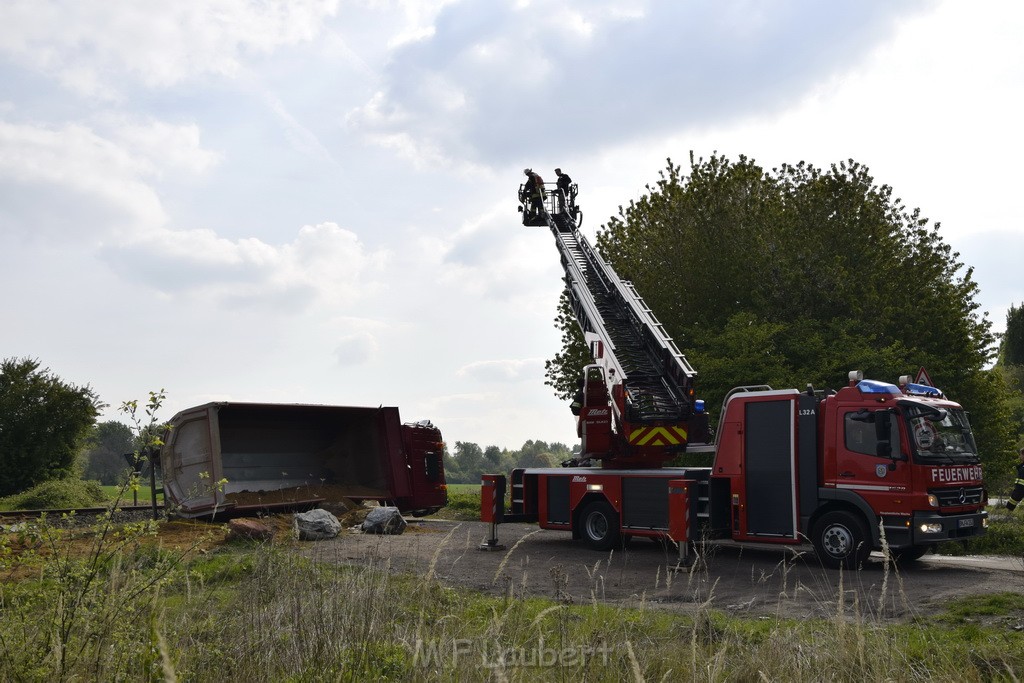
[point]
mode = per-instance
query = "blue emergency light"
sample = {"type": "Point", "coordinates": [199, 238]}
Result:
{"type": "Point", "coordinates": [871, 386]}
{"type": "Point", "coordinates": [923, 390]}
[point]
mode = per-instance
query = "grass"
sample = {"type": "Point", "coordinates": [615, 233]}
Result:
{"type": "Point", "coordinates": [148, 612]}
{"type": "Point", "coordinates": [145, 495]}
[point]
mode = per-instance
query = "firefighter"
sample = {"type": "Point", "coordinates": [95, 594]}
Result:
{"type": "Point", "coordinates": [1018, 488]}
{"type": "Point", "coordinates": [533, 191]}
{"type": "Point", "coordinates": [564, 182]}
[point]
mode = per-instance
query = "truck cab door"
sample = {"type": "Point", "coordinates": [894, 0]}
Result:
{"type": "Point", "coordinates": [870, 459]}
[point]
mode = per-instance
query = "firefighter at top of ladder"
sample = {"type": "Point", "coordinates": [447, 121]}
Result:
{"type": "Point", "coordinates": [534, 191]}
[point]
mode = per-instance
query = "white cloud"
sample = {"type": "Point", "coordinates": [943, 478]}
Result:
{"type": "Point", "coordinates": [323, 264]}
{"type": "Point", "coordinates": [510, 370]}
{"type": "Point", "coordinates": [164, 146]}
{"type": "Point", "coordinates": [91, 175]}
{"type": "Point", "coordinates": [356, 349]}
{"type": "Point", "coordinates": [93, 183]}
{"type": "Point", "coordinates": [495, 82]}
{"type": "Point", "coordinates": [91, 46]}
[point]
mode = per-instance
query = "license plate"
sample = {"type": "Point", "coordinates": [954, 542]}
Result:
{"type": "Point", "coordinates": [964, 523]}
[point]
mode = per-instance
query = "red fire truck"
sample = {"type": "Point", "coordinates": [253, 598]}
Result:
{"type": "Point", "coordinates": [850, 470]}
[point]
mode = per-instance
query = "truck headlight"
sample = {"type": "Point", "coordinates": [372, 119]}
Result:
{"type": "Point", "coordinates": [933, 500]}
{"type": "Point", "coordinates": [931, 527]}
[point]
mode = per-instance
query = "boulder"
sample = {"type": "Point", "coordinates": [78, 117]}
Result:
{"type": "Point", "coordinates": [315, 525]}
{"type": "Point", "coordinates": [249, 529]}
{"type": "Point", "coordinates": [384, 520]}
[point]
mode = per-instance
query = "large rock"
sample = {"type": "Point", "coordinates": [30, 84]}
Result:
{"type": "Point", "coordinates": [315, 525]}
{"type": "Point", "coordinates": [384, 520]}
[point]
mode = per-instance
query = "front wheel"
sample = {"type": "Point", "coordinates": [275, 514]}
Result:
{"type": "Point", "coordinates": [841, 540]}
{"type": "Point", "coordinates": [599, 525]}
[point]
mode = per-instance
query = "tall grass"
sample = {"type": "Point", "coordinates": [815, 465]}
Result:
{"type": "Point", "coordinates": [267, 612]}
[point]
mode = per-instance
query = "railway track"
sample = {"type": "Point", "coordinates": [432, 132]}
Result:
{"type": "Point", "coordinates": [79, 511]}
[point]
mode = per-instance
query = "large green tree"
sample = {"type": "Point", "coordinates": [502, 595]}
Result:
{"type": "Point", "coordinates": [44, 423]}
{"type": "Point", "coordinates": [798, 275]}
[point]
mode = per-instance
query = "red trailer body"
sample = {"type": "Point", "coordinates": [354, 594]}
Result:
{"type": "Point", "coordinates": [236, 457]}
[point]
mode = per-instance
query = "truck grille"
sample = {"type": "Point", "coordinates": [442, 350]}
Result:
{"type": "Point", "coordinates": [965, 495]}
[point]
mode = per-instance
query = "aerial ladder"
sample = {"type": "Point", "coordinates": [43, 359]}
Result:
{"type": "Point", "coordinates": [851, 471]}
{"type": "Point", "coordinates": [636, 401]}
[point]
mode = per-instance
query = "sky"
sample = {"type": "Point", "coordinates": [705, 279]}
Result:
{"type": "Point", "coordinates": [314, 201]}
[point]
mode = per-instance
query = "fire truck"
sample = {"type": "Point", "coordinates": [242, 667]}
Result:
{"type": "Point", "coordinates": [872, 464]}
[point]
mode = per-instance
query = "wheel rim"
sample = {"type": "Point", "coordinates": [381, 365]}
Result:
{"type": "Point", "coordinates": [597, 526]}
{"type": "Point", "coordinates": [837, 540]}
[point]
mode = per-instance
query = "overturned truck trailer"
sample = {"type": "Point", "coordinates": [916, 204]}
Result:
{"type": "Point", "coordinates": [238, 458]}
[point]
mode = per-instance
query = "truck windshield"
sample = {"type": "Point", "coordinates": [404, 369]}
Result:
{"type": "Point", "coordinates": [947, 440]}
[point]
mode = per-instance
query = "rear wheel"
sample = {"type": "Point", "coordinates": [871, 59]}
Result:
{"type": "Point", "coordinates": [599, 526]}
{"type": "Point", "coordinates": [841, 540]}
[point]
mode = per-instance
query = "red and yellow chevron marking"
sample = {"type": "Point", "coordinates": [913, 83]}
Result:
{"type": "Point", "coordinates": [658, 436]}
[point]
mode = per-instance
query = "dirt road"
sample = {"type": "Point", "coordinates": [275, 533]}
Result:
{"type": "Point", "coordinates": [745, 579]}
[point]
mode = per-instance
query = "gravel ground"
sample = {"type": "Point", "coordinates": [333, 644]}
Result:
{"type": "Point", "coordinates": [750, 579]}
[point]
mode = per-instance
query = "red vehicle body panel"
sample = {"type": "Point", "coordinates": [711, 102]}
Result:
{"type": "Point", "coordinates": [232, 457]}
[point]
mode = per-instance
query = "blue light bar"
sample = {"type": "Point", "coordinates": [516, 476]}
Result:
{"type": "Point", "coordinates": [698, 406]}
{"type": "Point", "coordinates": [870, 386]}
{"type": "Point", "coordinates": [923, 390]}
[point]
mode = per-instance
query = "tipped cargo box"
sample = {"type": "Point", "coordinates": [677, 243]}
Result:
{"type": "Point", "coordinates": [237, 458]}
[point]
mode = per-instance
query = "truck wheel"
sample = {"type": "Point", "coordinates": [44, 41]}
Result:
{"type": "Point", "coordinates": [840, 540]}
{"type": "Point", "coordinates": [599, 526]}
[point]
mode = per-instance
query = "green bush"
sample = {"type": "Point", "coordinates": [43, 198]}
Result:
{"type": "Point", "coordinates": [1005, 536]}
{"type": "Point", "coordinates": [57, 493]}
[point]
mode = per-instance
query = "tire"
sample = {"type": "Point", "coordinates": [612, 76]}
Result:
{"type": "Point", "coordinates": [908, 555]}
{"type": "Point", "coordinates": [599, 526]}
{"type": "Point", "coordinates": [841, 540]}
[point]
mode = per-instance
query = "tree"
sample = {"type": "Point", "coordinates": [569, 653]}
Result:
{"type": "Point", "coordinates": [471, 461]}
{"type": "Point", "coordinates": [799, 275]}
{"type": "Point", "coordinates": [563, 371]}
{"type": "Point", "coordinates": [493, 458]}
{"type": "Point", "coordinates": [105, 458]}
{"type": "Point", "coordinates": [1011, 349]}
{"type": "Point", "coordinates": [1011, 366]}
{"type": "Point", "coordinates": [44, 422]}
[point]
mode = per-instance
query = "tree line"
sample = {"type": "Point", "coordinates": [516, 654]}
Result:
{"type": "Point", "coordinates": [467, 461]}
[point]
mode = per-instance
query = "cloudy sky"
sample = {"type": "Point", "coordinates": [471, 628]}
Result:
{"type": "Point", "coordinates": [314, 200]}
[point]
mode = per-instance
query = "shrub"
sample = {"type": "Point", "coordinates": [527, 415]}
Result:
{"type": "Point", "coordinates": [57, 493]}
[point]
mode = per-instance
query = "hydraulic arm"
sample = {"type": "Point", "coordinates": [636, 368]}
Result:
{"type": "Point", "coordinates": [648, 385]}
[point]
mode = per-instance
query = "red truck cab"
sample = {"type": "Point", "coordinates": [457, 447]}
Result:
{"type": "Point", "coordinates": [850, 469]}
